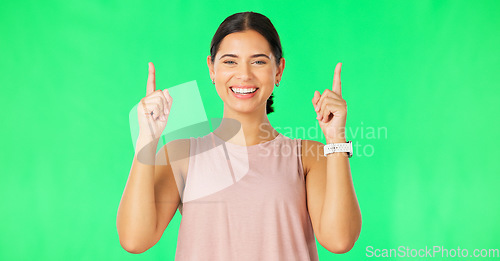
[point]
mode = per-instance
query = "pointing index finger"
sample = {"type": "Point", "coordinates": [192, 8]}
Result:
{"type": "Point", "coordinates": [151, 86]}
{"type": "Point", "coordinates": [336, 80]}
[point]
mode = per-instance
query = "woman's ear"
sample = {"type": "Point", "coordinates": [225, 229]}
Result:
{"type": "Point", "coordinates": [210, 67]}
{"type": "Point", "coordinates": [281, 67]}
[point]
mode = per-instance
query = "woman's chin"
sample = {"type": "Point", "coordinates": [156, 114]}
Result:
{"type": "Point", "coordinates": [244, 108]}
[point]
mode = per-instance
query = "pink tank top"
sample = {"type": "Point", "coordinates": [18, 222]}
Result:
{"type": "Point", "coordinates": [245, 203]}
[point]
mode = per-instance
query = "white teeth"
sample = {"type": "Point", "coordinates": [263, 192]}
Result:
{"type": "Point", "coordinates": [243, 90]}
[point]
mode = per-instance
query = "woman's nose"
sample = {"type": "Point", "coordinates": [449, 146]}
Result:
{"type": "Point", "coordinates": [244, 72]}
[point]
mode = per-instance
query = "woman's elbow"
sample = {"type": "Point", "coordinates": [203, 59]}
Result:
{"type": "Point", "coordinates": [132, 248]}
{"type": "Point", "coordinates": [338, 245]}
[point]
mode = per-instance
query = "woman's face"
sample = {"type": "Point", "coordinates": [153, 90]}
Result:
{"type": "Point", "coordinates": [245, 63]}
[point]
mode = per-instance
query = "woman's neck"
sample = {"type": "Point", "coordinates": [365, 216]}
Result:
{"type": "Point", "coordinates": [245, 129]}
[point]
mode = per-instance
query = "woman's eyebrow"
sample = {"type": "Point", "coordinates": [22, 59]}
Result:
{"type": "Point", "coordinates": [236, 56]}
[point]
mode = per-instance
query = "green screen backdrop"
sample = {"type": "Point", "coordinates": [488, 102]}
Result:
{"type": "Point", "coordinates": [421, 81]}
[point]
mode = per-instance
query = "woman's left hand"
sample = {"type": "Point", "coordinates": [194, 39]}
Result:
{"type": "Point", "coordinates": [332, 110]}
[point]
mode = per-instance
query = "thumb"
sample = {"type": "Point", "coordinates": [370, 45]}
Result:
{"type": "Point", "coordinates": [169, 100]}
{"type": "Point", "coordinates": [316, 97]}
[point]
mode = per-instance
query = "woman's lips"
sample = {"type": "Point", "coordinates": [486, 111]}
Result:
{"type": "Point", "coordinates": [244, 87]}
{"type": "Point", "coordinates": [244, 96]}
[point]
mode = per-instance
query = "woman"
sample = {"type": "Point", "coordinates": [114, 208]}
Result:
{"type": "Point", "coordinates": [245, 191]}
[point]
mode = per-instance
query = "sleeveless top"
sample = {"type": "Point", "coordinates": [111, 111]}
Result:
{"type": "Point", "coordinates": [245, 203]}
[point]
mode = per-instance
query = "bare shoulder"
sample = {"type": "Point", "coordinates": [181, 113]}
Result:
{"type": "Point", "coordinates": [179, 147]}
{"type": "Point", "coordinates": [176, 154]}
{"type": "Point", "coordinates": [312, 153]}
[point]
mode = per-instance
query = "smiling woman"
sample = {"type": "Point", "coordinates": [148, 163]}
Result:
{"type": "Point", "coordinates": [245, 191]}
{"type": "Point", "coordinates": [253, 27]}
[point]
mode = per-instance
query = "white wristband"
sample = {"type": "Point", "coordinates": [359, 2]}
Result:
{"type": "Point", "coordinates": [338, 147]}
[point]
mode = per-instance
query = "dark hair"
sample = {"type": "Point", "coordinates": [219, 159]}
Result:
{"type": "Point", "coordinates": [249, 21]}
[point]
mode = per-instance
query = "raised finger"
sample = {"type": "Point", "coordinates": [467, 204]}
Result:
{"type": "Point", "coordinates": [151, 86]}
{"type": "Point", "coordinates": [336, 80]}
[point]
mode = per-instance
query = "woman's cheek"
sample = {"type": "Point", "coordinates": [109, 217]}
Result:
{"type": "Point", "coordinates": [225, 75]}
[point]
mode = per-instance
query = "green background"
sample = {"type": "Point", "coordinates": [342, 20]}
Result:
{"type": "Point", "coordinates": [424, 72]}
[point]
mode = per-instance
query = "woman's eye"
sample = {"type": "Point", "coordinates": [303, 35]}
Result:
{"type": "Point", "coordinates": [232, 62]}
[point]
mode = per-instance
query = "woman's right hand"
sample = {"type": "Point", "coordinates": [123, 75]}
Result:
{"type": "Point", "coordinates": [153, 110]}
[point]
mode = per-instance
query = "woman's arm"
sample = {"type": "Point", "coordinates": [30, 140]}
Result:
{"type": "Point", "coordinates": [150, 198]}
{"type": "Point", "coordinates": [331, 199]}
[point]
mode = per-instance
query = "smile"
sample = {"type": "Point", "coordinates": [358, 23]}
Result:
{"type": "Point", "coordinates": [244, 93]}
{"type": "Point", "coordinates": [243, 90]}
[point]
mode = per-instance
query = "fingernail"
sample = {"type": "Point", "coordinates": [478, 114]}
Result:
{"type": "Point", "coordinates": [317, 117]}
{"type": "Point", "coordinates": [317, 108]}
